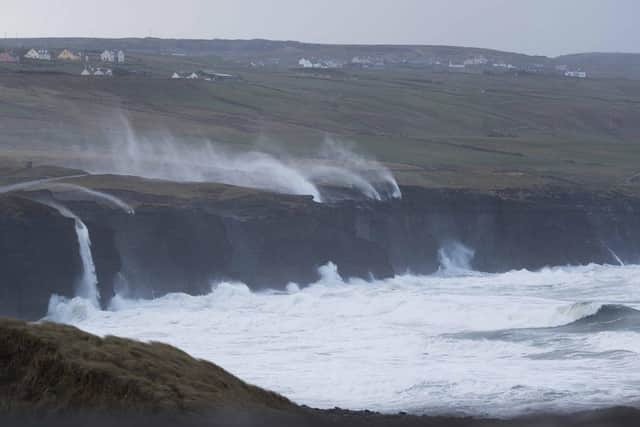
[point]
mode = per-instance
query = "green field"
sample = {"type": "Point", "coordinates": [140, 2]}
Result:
{"type": "Point", "coordinates": [433, 129]}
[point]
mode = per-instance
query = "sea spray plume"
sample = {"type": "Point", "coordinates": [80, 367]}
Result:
{"type": "Point", "coordinates": [87, 287]}
{"type": "Point", "coordinates": [19, 186]}
{"type": "Point", "coordinates": [377, 176]}
{"type": "Point", "coordinates": [51, 183]}
{"type": "Point", "coordinates": [616, 257]}
{"type": "Point", "coordinates": [332, 175]}
{"type": "Point", "coordinates": [115, 201]}
{"type": "Point", "coordinates": [455, 258]}
{"type": "Point", "coordinates": [165, 157]}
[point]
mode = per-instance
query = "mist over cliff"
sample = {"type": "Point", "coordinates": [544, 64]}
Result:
{"type": "Point", "coordinates": [267, 166]}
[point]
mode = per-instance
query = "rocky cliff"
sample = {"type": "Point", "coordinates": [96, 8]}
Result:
{"type": "Point", "coordinates": [182, 238]}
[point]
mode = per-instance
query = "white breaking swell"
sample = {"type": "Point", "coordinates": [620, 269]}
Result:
{"type": "Point", "coordinates": [394, 345]}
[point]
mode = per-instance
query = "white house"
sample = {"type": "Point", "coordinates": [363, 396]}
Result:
{"type": "Point", "coordinates": [112, 56]}
{"type": "Point", "coordinates": [476, 60]}
{"type": "Point", "coordinates": [176, 76]}
{"type": "Point", "coordinates": [192, 76]}
{"type": "Point", "coordinates": [85, 72]}
{"type": "Point", "coordinates": [108, 56]}
{"type": "Point", "coordinates": [40, 54]}
{"type": "Point", "coordinates": [576, 74]}
{"type": "Point", "coordinates": [456, 66]}
{"type": "Point", "coordinates": [305, 63]}
{"type": "Point", "coordinates": [504, 66]}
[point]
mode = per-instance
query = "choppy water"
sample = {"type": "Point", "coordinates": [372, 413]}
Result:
{"type": "Point", "coordinates": [565, 338]}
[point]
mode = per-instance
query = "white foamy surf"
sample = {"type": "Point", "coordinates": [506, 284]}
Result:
{"type": "Point", "coordinates": [480, 344]}
{"type": "Point", "coordinates": [87, 286]}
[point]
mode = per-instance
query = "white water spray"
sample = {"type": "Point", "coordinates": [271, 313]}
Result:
{"type": "Point", "coordinates": [476, 344]}
{"type": "Point", "coordinates": [32, 184]}
{"type": "Point", "coordinates": [115, 201]}
{"type": "Point", "coordinates": [87, 287]}
{"type": "Point", "coordinates": [164, 157]}
{"type": "Point", "coordinates": [615, 257]}
{"type": "Point", "coordinates": [455, 258]}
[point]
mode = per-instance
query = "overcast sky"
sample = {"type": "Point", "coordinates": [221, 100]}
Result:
{"type": "Point", "coordinates": [548, 27]}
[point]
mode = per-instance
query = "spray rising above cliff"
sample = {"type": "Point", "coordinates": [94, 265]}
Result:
{"type": "Point", "coordinates": [334, 165]}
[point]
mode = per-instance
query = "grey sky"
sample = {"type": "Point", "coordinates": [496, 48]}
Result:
{"type": "Point", "coordinates": [549, 27]}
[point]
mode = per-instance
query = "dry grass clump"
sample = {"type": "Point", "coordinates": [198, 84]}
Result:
{"type": "Point", "coordinates": [56, 368]}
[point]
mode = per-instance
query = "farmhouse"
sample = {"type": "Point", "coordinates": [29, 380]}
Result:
{"type": "Point", "coordinates": [67, 55]}
{"type": "Point", "coordinates": [112, 56]}
{"type": "Point", "coordinates": [40, 55]}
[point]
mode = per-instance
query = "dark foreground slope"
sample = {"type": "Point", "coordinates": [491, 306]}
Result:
{"type": "Point", "coordinates": [57, 375]}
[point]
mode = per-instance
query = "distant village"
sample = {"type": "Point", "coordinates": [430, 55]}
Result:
{"type": "Point", "coordinates": [94, 64]}
{"type": "Point", "coordinates": [475, 64]}
{"type": "Point", "coordinates": [102, 63]}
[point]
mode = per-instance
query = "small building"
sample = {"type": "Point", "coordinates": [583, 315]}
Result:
{"type": "Point", "coordinates": [39, 55]}
{"type": "Point", "coordinates": [67, 55]}
{"type": "Point", "coordinates": [98, 72]}
{"type": "Point", "coordinates": [112, 56]}
{"type": "Point", "coordinates": [8, 57]}
{"type": "Point", "coordinates": [213, 75]}
{"type": "Point", "coordinates": [85, 72]}
{"type": "Point", "coordinates": [193, 76]}
{"type": "Point", "coordinates": [456, 66]}
{"type": "Point", "coordinates": [108, 56]}
{"type": "Point", "coordinates": [576, 74]}
{"type": "Point", "coordinates": [476, 60]}
{"type": "Point", "coordinates": [176, 76]}
{"type": "Point", "coordinates": [305, 63]}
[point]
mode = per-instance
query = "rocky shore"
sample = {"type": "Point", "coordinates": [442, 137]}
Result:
{"type": "Point", "coordinates": [183, 237]}
{"type": "Point", "coordinates": [54, 375]}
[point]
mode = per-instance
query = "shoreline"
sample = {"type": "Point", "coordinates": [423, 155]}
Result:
{"type": "Point", "coordinates": [84, 379]}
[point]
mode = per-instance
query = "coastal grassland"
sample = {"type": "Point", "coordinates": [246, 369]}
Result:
{"type": "Point", "coordinates": [433, 129]}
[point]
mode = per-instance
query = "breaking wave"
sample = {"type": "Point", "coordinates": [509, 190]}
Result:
{"type": "Point", "coordinates": [409, 343]}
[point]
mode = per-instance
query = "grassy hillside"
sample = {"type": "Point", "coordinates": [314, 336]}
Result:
{"type": "Point", "coordinates": [57, 375]}
{"type": "Point", "coordinates": [59, 368]}
{"type": "Point", "coordinates": [432, 129]}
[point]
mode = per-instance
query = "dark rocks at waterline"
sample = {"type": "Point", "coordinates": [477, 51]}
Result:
{"type": "Point", "coordinates": [267, 242]}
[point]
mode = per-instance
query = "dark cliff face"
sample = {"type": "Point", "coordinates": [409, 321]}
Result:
{"type": "Point", "coordinates": [185, 247]}
{"type": "Point", "coordinates": [39, 256]}
{"type": "Point", "coordinates": [507, 231]}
